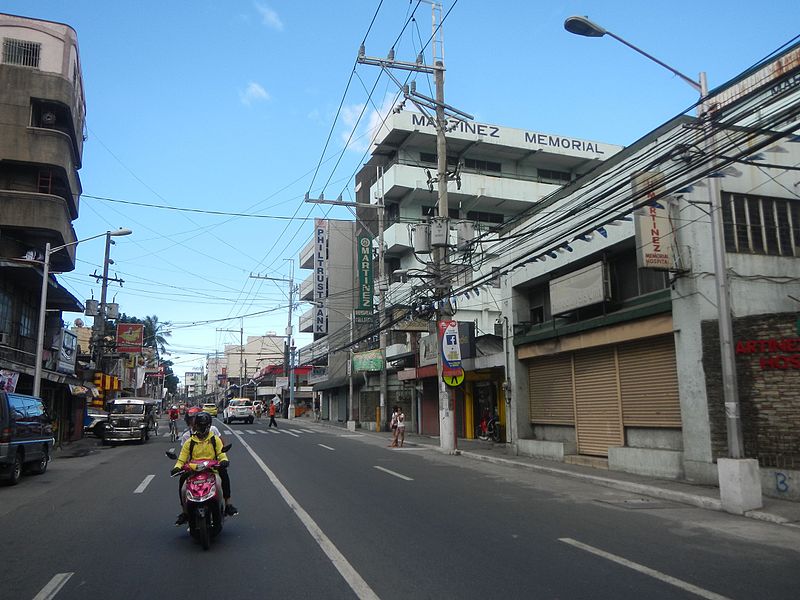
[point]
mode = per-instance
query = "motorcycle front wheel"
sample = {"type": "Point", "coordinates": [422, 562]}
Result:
{"type": "Point", "coordinates": [496, 433]}
{"type": "Point", "coordinates": [203, 534]}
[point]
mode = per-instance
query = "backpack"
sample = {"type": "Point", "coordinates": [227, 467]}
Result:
{"type": "Point", "coordinates": [192, 444]}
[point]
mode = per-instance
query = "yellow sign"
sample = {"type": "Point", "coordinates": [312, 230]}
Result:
{"type": "Point", "coordinates": [453, 378]}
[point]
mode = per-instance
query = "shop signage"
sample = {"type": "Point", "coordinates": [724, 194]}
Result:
{"type": "Point", "coordinates": [780, 354]}
{"type": "Point", "coordinates": [67, 353]}
{"type": "Point", "coordinates": [365, 282]}
{"type": "Point", "coordinates": [368, 361]}
{"type": "Point", "coordinates": [282, 382]}
{"type": "Point", "coordinates": [130, 337]}
{"type": "Point", "coordinates": [583, 287]}
{"type": "Point", "coordinates": [450, 347]}
{"type": "Point", "coordinates": [652, 223]}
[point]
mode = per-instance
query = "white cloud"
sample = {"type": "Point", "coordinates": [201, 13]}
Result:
{"type": "Point", "coordinates": [253, 93]}
{"type": "Point", "coordinates": [269, 17]}
{"type": "Point", "coordinates": [368, 128]}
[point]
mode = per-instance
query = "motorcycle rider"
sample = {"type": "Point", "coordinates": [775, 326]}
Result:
{"type": "Point", "coordinates": [203, 444]}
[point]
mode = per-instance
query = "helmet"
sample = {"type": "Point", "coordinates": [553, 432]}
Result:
{"type": "Point", "coordinates": [174, 407]}
{"type": "Point", "coordinates": [191, 414]}
{"type": "Point", "coordinates": [202, 424]}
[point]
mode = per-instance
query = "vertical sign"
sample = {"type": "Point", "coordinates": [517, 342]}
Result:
{"type": "Point", "coordinates": [654, 235]}
{"type": "Point", "coordinates": [365, 273]}
{"type": "Point", "coordinates": [320, 275]}
{"type": "Point", "coordinates": [450, 346]}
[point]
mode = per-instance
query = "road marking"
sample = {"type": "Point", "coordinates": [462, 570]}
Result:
{"type": "Point", "coordinates": [249, 431]}
{"type": "Point", "coordinates": [227, 432]}
{"type": "Point", "coordinates": [645, 570]}
{"type": "Point", "coordinates": [352, 435]}
{"type": "Point", "coordinates": [393, 473]}
{"type": "Point", "coordinates": [307, 430]}
{"type": "Point", "coordinates": [349, 574]}
{"type": "Point", "coordinates": [262, 431]}
{"type": "Point", "coordinates": [144, 484]}
{"type": "Point", "coordinates": [53, 587]}
{"type": "Point", "coordinates": [289, 433]}
{"type": "Point", "coordinates": [326, 447]}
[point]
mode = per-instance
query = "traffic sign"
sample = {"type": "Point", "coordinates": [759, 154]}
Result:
{"type": "Point", "coordinates": [453, 377]}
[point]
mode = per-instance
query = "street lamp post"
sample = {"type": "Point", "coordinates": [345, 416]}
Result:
{"type": "Point", "coordinates": [48, 251]}
{"type": "Point", "coordinates": [738, 474]}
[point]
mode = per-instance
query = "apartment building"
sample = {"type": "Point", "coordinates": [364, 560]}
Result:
{"type": "Point", "coordinates": [42, 119]}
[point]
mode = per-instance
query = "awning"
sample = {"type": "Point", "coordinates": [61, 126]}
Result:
{"type": "Point", "coordinates": [29, 276]}
{"type": "Point", "coordinates": [358, 381]}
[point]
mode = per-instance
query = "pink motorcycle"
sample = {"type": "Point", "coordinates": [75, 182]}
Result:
{"type": "Point", "coordinates": [201, 497]}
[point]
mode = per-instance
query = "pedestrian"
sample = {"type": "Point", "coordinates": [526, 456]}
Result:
{"type": "Point", "coordinates": [401, 428]}
{"type": "Point", "coordinates": [393, 426]}
{"type": "Point", "coordinates": [316, 409]}
{"type": "Point", "coordinates": [272, 409]}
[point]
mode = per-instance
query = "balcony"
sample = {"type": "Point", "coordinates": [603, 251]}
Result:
{"type": "Point", "coordinates": [394, 351]}
{"type": "Point", "coordinates": [314, 352]}
{"type": "Point", "coordinates": [401, 293]}
{"type": "Point", "coordinates": [306, 324]}
{"type": "Point", "coordinates": [307, 288]}
{"type": "Point", "coordinates": [397, 238]}
{"type": "Point", "coordinates": [307, 255]}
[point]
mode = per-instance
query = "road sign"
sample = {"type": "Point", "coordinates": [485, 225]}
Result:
{"type": "Point", "coordinates": [453, 377]}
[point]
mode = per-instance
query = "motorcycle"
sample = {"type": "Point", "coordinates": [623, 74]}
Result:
{"type": "Point", "coordinates": [201, 497]}
{"type": "Point", "coordinates": [488, 429]}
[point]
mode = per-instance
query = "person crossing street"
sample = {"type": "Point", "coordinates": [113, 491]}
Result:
{"type": "Point", "coordinates": [272, 409]}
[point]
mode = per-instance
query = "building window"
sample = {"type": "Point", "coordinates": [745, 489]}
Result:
{"type": "Point", "coordinates": [27, 319]}
{"type": "Point", "coordinates": [761, 225]}
{"type": "Point", "coordinates": [628, 281]}
{"type": "Point", "coordinates": [21, 52]}
{"type": "Point", "coordinates": [482, 165]}
{"type": "Point", "coordinates": [432, 211]}
{"type": "Point", "coordinates": [5, 309]}
{"type": "Point", "coordinates": [550, 176]}
{"type": "Point", "coordinates": [485, 217]}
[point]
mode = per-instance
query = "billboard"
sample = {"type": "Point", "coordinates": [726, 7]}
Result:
{"type": "Point", "coordinates": [652, 223]}
{"type": "Point", "coordinates": [320, 275]}
{"type": "Point", "coordinates": [130, 337]}
{"type": "Point", "coordinates": [365, 279]}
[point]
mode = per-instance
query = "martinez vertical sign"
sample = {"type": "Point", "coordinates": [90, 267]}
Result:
{"type": "Point", "coordinates": [363, 310]}
{"type": "Point", "coordinates": [652, 223]}
{"type": "Point", "coordinates": [320, 275]}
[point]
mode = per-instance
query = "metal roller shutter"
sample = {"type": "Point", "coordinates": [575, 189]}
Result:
{"type": "Point", "coordinates": [649, 383]}
{"type": "Point", "coordinates": [550, 390]}
{"type": "Point", "coordinates": [597, 405]}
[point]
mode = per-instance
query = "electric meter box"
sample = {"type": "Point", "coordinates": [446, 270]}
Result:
{"type": "Point", "coordinates": [440, 231]}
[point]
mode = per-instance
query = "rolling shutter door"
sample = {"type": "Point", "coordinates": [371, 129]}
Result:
{"type": "Point", "coordinates": [550, 390]}
{"type": "Point", "coordinates": [649, 383]}
{"type": "Point", "coordinates": [597, 406]}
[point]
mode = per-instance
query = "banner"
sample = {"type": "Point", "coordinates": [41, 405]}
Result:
{"type": "Point", "coordinates": [450, 346]}
{"type": "Point", "coordinates": [130, 337]}
{"type": "Point", "coordinates": [8, 380]}
{"type": "Point", "coordinates": [68, 352]}
{"type": "Point", "coordinates": [653, 226]}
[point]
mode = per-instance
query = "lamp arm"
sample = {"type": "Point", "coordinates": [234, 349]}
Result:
{"type": "Point", "coordinates": [696, 85]}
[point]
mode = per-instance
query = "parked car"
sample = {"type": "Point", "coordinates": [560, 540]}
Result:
{"type": "Point", "coordinates": [239, 409]}
{"type": "Point", "coordinates": [26, 436]}
{"type": "Point", "coordinates": [210, 409]}
{"type": "Point", "coordinates": [95, 422]}
{"type": "Point", "coordinates": [130, 419]}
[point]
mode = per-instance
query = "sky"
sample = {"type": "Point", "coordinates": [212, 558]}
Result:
{"type": "Point", "coordinates": [242, 107]}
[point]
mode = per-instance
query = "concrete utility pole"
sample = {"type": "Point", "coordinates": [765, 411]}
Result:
{"type": "Point", "coordinates": [442, 111]}
{"type": "Point", "coordinates": [99, 325]}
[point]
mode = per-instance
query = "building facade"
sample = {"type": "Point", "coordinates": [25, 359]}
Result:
{"type": "Point", "coordinates": [42, 120]}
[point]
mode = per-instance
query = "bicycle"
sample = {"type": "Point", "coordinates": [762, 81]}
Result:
{"type": "Point", "coordinates": [173, 430]}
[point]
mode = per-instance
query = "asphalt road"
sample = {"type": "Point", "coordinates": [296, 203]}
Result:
{"type": "Point", "coordinates": [330, 514]}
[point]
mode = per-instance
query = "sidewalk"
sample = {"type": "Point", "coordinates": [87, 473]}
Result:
{"type": "Point", "coordinates": [780, 512]}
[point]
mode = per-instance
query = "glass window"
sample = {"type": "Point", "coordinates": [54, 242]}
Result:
{"type": "Point", "coordinates": [759, 225]}
{"type": "Point", "coordinates": [27, 319]}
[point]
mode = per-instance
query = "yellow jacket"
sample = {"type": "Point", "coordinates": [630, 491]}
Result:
{"type": "Point", "coordinates": [203, 449]}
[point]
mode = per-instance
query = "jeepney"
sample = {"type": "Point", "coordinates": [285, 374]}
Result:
{"type": "Point", "coordinates": [130, 419]}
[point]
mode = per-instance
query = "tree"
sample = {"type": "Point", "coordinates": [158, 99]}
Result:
{"type": "Point", "coordinates": [156, 334]}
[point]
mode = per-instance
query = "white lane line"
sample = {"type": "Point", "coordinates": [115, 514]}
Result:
{"type": "Point", "coordinates": [393, 473]}
{"type": "Point", "coordinates": [289, 433]}
{"type": "Point", "coordinates": [144, 484]}
{"type": "Point", "coordinates": [349, 574]}
{"type": "Point", "coordinates": [645, 570]}
{"type": "Point", "coordinates": [249, 431]}
{"type": "Point", "coordinates": [352, 435]}
{"type": "Point", "coordinates": [326, 447]}
{"type": "Point", "coordinates": [53, 587]}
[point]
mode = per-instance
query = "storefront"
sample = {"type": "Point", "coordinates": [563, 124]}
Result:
{"type": "Point", "coordinates": [606, 395]}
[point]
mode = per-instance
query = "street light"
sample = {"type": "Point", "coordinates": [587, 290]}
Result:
{"type": "Point", "coordinates": [584, 27]}
{"type": "Point", "coordinates": [37, 377]}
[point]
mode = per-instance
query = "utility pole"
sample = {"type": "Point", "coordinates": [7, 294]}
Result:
{"type": "Point", "coordinates": [99, 325]}
{"type": "Point", "coordinates": [289, 366]}
{"type": "Point", "coordinates": [442, 111]}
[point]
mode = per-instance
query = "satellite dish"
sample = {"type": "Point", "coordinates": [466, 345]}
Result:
{"type": "Point", "coordinates": [78, 322]}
